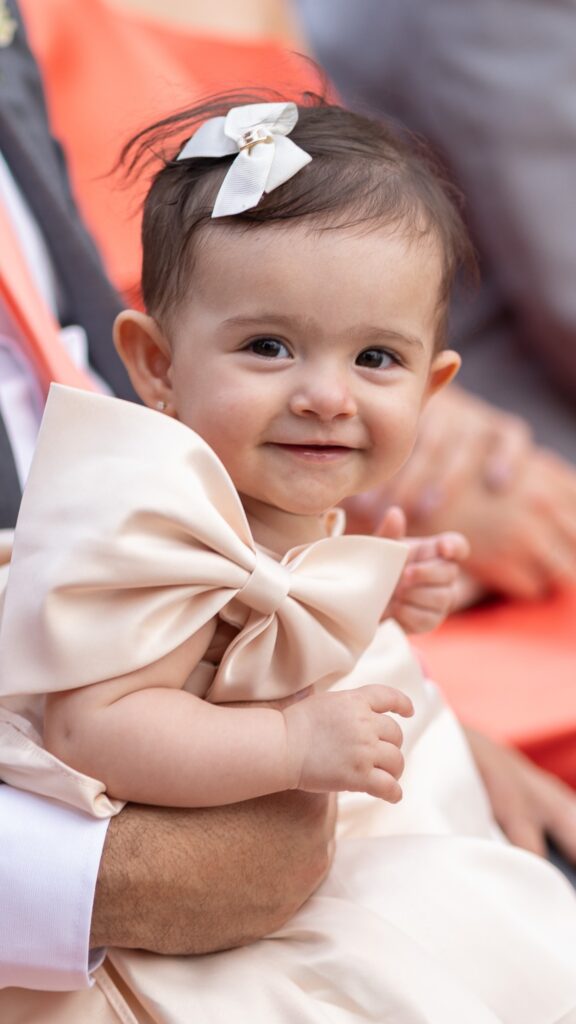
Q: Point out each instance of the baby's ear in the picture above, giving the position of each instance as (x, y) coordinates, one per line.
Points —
(146, 354)
(443, 369)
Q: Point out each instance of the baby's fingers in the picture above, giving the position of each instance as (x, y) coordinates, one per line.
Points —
(392, 525)
(424, 620)
(389, 731)
(390, 759)
(382, 785)
(436, 573)
(454, 546)
(385, 698)
(438, 598)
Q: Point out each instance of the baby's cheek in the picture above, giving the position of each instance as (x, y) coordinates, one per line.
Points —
(397, 436)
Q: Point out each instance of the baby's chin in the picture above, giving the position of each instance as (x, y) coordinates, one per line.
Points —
(308, 508)
(290, 516)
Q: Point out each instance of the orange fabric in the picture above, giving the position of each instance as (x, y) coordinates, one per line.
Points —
(108, 73)
(510, 668)
(31, 315)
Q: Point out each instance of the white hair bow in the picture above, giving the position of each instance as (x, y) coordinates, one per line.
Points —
(266, 157)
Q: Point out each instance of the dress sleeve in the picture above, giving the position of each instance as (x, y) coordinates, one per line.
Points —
(49, 859)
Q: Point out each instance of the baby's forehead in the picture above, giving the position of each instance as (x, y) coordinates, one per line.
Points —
(246, 245)
(313, 280)
(305, 267)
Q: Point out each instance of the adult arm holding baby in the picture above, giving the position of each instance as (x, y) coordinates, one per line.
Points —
(167, 882)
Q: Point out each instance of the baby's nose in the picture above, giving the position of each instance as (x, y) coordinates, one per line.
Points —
(325, 396)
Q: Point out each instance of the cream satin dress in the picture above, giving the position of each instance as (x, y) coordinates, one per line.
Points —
(428, 916)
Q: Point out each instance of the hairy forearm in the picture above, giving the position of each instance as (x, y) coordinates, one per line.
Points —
(190, 882)
(169, 748)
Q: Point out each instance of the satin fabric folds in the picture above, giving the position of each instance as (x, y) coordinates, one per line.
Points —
(131, 537)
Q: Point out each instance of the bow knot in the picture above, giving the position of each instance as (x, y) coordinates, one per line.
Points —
(265, 159)
(253, 136)
(267, 586)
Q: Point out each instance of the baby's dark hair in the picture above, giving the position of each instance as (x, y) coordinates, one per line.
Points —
(363, 174)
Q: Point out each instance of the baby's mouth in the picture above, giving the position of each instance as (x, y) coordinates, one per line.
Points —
(319, 447)
(312, 450)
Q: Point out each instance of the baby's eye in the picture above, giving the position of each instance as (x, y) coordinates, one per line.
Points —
(375, 358)
(268, 348)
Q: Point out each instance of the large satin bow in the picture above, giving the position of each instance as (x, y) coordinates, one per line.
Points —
(132, 537)
(266, 158)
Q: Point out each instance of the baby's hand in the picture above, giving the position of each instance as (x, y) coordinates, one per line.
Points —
(428, 587)
(343, 740)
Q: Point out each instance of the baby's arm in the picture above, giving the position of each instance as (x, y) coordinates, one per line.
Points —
(165, 746)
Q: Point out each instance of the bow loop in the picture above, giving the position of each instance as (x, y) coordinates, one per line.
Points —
(266, 158)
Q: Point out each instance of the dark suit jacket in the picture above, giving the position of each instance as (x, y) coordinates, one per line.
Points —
(37, 163)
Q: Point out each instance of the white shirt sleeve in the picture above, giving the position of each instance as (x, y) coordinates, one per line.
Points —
(49, 859)
(49, 853)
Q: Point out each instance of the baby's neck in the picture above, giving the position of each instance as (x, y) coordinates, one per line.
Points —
(277, 530)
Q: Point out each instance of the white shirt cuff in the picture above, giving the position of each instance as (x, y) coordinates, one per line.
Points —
(49, 860)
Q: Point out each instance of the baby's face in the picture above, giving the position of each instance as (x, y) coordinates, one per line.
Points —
(304, 358)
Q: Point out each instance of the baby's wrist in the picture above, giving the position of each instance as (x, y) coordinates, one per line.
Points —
(295, 744)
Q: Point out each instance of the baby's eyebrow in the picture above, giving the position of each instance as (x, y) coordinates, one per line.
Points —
(276, 318)
(379, 336)
(366, 334)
